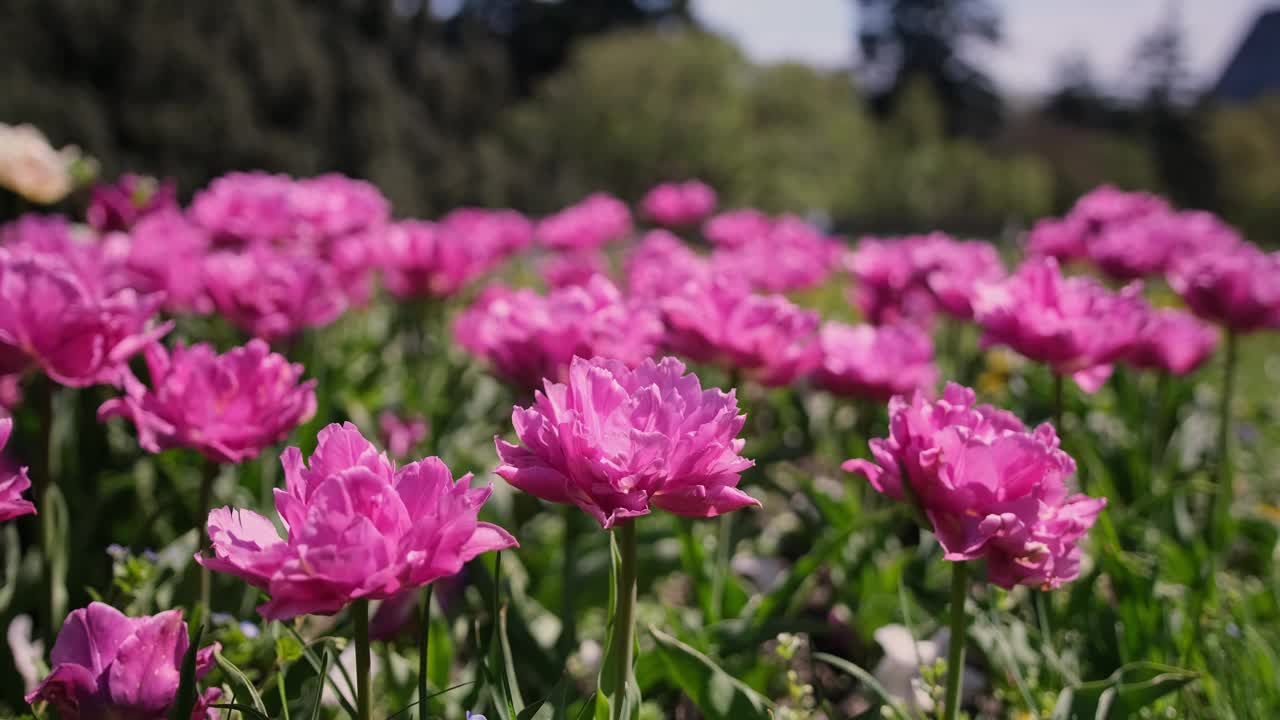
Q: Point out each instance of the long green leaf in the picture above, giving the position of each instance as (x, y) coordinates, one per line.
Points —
(717, 694)
(246, 710)
(184, 702)
(324, 673)
(314, 661)
(235, 673)
(867, 679)
(1128, 690)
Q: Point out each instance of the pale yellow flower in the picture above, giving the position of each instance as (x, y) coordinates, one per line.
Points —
(32, 168)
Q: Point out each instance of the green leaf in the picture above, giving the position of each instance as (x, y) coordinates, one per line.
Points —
(775, 603)
(1128, 690)
(314, 661)
(324, 673)
(184, 702)
(866, 678)
(235, 673)
(246, 710)
(717, 694)
(555, 706)
(288, 649)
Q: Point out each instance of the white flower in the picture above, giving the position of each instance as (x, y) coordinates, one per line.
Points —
(28, 655)
(31, 167)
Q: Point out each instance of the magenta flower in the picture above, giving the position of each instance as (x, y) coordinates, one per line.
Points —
(13, 482)
(912, 278)
(99, 262)
(227, 407)
(420, 260)
(1236, 286)
(735, 228)
(1093, 216)
(401, 434)
(768, 337)
(1074, 325)
(574, 267)
(333, 206)
(53, 316)
(1106, 205)
(107, 665)
(527, 337)
(1146, 245)
(679, 204)
(613, 440)
(119, 206)
(240, 208)
(791, 256)
(989, 487)
(589, 224)
(661, 264)
(357, 527)
(1172, 341)
(876, 362)
(1062, 239)
(497, 233)
(954, 276)
(272, 294)
(165, 253)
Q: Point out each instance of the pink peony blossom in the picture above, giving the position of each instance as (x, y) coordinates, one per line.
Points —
(401, 434)
(497, 234)
(13, 482)
(272, 294)
(735, 228)
(613, 440)
(768, 337)
(913, 277)
(165, 253)
(357, 527)
(420, 260)
(100, 263)
(679, 204)
(1236, 286)
(1106, 204)
(1074, 325)
(1148, 244)
(989, 487)
(1172, 341)
(240, 208)
(574, 267)
(119, 206)
(228, 407)
(1059, 238)
(791, 256)
(589, 224)
(59, 318)
(876, 362)
(1094, 216)
(527, 337)
(333, 206)
(662, 264)
(107, 665)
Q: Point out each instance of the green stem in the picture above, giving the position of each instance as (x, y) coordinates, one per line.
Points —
(424, 645)
(1057, 404)
(959, 633)
(568, 640)
(43, 489)
(207, 476)
(360, 615)
(724, 540)
(1159, 422)
(1221, 518)
(623, 639)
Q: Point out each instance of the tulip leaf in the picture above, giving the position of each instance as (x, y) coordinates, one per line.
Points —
(235, 673)
(246, 710)
(866, 678)
(716, 693)
(316, 702)
(184, 703)
(1129, 689)
(555, 706)
(315, 662)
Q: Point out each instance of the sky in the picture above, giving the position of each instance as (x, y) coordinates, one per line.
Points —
(1038, 34)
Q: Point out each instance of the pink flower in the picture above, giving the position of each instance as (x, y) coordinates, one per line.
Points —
(1147, 244)
(119, 206)
(332, 206)
(913, 277)
(770, 338)
(527, 337)
(497, 234)
(1063, 239)
(401, 434)
(1093, 216)
(1172, 341)
(357, 527)
(678, 204)
(1237, 286)
(613, 440)
(420, 260)
(165, 253)
(55, 316)
(989, 487)
(1074, 325)
(272, 294)
(107, 665)
(100, 264)
(228, 407)
(1106, 204)
(876, 362)
(791, 256)
(589, 224)
(574, 267)
(954, 277)
(735, 228)
(12, 482)
(240, 208)
(662, 264)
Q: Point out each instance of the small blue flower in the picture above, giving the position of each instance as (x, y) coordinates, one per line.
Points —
(117, 552)
(249, 630)
(474, 716)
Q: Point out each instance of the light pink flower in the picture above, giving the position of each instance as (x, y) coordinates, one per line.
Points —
(55, 316)
(574, 267)
(1172, 341)
(401, 434)
(679, 204)
(615, 440)
(735, 228)
(1237, 286)
(13, 482)
(527, 337)
(119, 206)
(768, 337)
(662, 264)
(357, 527)
(876, 362)
(228, 407)
(1074, 325)
(165, 253)
(272, 294)
(913, 277)
(792, 255)
(107, 665)
(989, 487)
(589, 224)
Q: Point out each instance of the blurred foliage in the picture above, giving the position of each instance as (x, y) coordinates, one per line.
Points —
(1246, 144)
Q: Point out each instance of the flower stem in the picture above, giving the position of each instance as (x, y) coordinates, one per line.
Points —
(624, 617)
(1057, 404)
(360, 615)
(1221, 518)
(207, 476)
(424, 646)
(723, 559)
(956, 642)
(568, 640)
